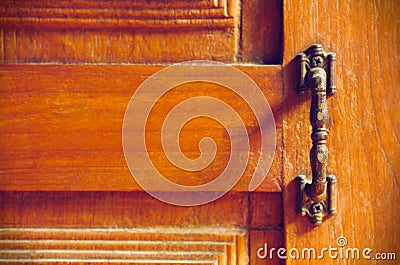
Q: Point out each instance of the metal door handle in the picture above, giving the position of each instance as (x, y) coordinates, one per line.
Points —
(317, 198)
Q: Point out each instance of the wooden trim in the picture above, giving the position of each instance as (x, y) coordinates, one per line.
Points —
(78, 226)
(364, 146)
(114, 4)
(145, 32)
(128, 245)
(119, 14)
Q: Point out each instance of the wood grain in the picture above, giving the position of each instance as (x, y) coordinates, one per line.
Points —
(363, 144)
(61, 127)
(134, 246)
(261, 32)
(364, 138)
(146, 32)
(130, 226)
(118, 14)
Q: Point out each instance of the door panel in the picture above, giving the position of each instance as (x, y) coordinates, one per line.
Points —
(363, 144)
(66, 189)
(60, 172)
(64, 175)
(133, 227)
(62, 127)
(145, 32)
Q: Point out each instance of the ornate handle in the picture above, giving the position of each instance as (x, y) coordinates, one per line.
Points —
(317, 198)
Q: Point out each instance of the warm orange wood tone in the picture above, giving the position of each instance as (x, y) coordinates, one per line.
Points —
(261, 33)
(61, 161)
(119, 225)
(256, 211)
(61, 130)
(146, 32)
(133, 246)
(364, 137)
(61, 127)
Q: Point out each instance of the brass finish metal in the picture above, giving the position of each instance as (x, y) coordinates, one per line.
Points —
(317, 198)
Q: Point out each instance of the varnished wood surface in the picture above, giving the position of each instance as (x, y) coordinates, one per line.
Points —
(61, 127)
(261, 32)
(85, 227)
(112, 209)
(133, 246)
(146, 32)
(364, 142)
(119, 14)
(364, 137)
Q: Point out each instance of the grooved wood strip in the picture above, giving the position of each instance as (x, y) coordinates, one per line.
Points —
(42, 13)
(136, 222)
(106, 14)
(119, 4)
(145, 32)
(115, 32)
(151, 23)
(145, 245)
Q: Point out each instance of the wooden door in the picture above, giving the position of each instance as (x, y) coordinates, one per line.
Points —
(363, 143)
(69, 70)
